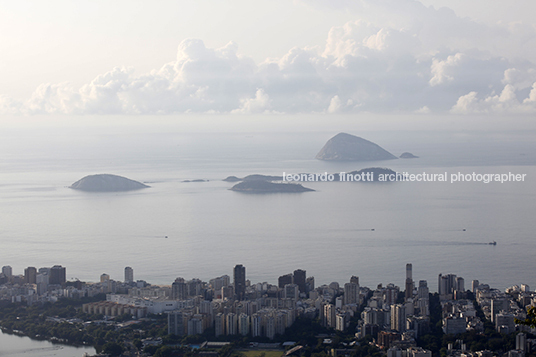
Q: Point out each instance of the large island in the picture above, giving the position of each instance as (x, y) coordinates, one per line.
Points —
(262, 186)
(346, 147)
(107, 183)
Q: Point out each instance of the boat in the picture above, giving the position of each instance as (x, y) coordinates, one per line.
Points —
(492, 243)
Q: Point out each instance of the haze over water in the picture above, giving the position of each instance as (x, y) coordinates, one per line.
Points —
(366, 229)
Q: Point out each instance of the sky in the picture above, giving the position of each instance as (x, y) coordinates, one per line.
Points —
(410, 57)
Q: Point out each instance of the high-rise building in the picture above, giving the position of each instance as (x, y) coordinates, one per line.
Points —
(474, 286)
(498, 305)
(7, 271)
(446, 285)
(256, 325)
(218, 283)
(299, 278)
(219, 324)
(231, 323)
(239, 279)
(179, 289)
(269, 327)
(422, 291)
(454, 325)
(330, 315)
(104, 277)
(284, 280)
(423, 298)
(226, 292)
(290, 291)
(57, 275)
(340, 321)
(409, 282)
(30, 275)
(521, 342)
(351, 293)
(129, 275)
(460, 284)
(195, 325)
(398, 317)
(309, 284)
(176, 323)
(195, 287)
(42, 281)
(505, 323)
(243, 324)
(390, 294)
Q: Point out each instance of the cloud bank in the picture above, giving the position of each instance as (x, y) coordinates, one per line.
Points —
(423, 62)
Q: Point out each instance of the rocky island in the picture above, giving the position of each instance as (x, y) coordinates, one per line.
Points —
(107, 183)
(253, 177)
(346, 147)
(374, 174)
(408, 155)
(263, 186)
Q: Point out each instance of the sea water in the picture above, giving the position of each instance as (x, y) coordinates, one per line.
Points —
(22, 346)
(202, 229)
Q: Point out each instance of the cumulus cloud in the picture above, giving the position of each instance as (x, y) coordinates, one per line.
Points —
(422, 60)
(423, 110)
(334, 105)
(507, 101)
(259, 104)
(9, 105)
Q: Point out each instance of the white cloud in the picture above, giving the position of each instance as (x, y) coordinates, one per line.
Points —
(505, 102)
(334, 105)
(399, 55)
(441, 69)
(520, 78)
(423, 110)
(466, 104)
(531, 99)
(53, 99)
(9, 105)
(259, 104)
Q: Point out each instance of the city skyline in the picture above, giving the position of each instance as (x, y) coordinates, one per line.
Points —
(447, 283)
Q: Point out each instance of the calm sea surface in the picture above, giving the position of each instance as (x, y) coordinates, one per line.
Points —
(366, 229)
(18, 346)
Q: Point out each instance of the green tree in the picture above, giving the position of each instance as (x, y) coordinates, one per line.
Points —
(531, 318)
(113, 348)
(164, 351)
(137, 343)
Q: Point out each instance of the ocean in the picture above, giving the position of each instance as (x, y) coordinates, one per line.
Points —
(22, 346)
(202, 229)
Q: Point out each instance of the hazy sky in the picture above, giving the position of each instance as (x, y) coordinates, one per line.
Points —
(268, 56)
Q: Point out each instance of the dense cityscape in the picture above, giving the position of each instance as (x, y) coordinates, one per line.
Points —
(226, 313)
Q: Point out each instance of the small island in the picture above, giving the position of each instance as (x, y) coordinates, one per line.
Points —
(346, 147)
(232, 179)
(106, 183)
(408, 155)
(374, 173)
(262, 186)
(254, 177)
